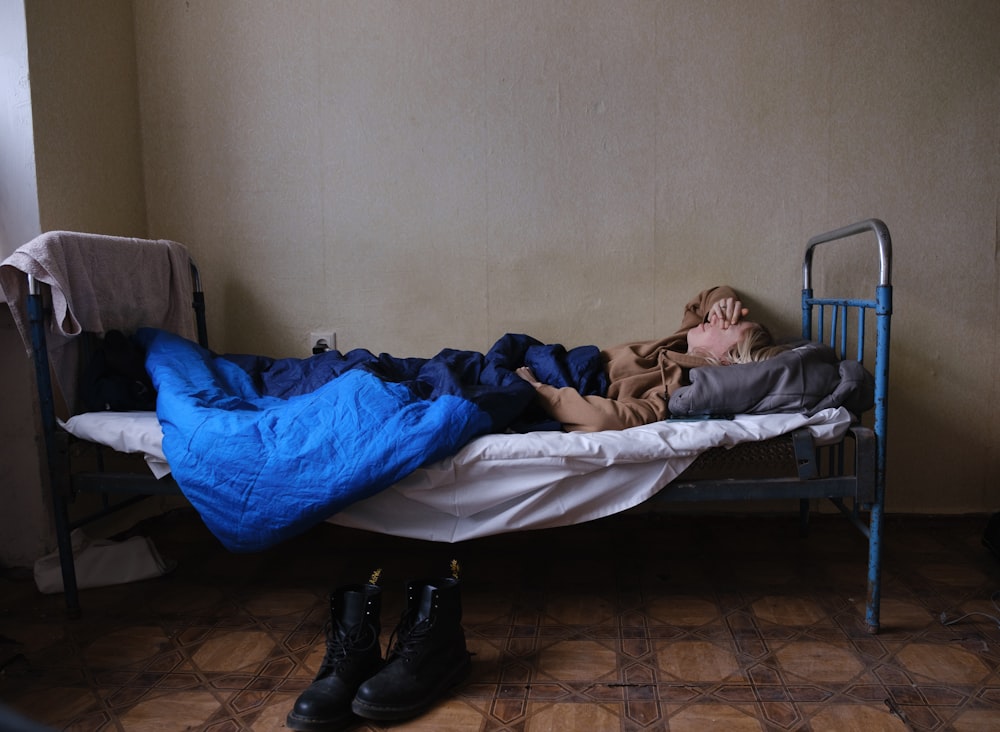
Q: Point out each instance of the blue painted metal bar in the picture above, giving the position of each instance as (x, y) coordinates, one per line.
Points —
(882, 307)
(850, 302)
(861, 335)
(852, 516)
(807, 308)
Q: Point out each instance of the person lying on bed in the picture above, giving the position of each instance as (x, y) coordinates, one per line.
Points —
(642, 375)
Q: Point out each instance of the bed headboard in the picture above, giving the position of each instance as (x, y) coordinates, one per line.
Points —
(845, 323)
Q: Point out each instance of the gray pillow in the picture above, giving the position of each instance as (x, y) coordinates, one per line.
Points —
(806, 378)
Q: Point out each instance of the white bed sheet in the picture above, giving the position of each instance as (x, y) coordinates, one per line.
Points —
(129, 432)
(502, 483)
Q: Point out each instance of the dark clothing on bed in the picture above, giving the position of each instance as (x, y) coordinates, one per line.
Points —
(487, 379)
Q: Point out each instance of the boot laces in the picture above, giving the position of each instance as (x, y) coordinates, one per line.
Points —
(342, 644)
(407, 640)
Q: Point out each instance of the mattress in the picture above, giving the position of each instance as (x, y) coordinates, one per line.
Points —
(500, 483)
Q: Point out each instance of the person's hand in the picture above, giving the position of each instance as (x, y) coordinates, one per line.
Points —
(528, 375)
(727, 312)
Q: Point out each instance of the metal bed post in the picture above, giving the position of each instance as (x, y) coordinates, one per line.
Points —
(882, 307)
(62, 484)
(883, 312)
(46, 399)
(198, 303)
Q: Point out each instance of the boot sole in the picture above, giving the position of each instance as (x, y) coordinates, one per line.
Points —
(304, 724)
(390, 713)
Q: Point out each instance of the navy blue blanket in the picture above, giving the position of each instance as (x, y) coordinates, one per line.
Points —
(265, 448)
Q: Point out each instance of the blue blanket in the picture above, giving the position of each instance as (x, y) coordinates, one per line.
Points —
(265, 448)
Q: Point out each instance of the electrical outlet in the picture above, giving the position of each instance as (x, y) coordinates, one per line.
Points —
(322, 340)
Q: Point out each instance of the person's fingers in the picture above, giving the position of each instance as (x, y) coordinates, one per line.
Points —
(528, 375)
(735, 309)
(726, 310)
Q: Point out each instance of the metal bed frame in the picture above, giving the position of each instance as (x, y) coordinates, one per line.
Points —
(850, 473)
(65, 483)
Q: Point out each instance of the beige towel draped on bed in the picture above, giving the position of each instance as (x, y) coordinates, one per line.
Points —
(99, 283)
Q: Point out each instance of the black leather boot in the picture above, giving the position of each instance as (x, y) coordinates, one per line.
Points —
(428, 658)
(352, 655)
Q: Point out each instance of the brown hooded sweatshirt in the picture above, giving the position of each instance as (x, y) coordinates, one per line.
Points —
(641, 377)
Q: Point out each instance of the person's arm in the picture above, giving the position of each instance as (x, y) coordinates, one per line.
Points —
(579, 413)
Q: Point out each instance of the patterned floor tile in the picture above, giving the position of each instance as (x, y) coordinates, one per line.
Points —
(632, 623)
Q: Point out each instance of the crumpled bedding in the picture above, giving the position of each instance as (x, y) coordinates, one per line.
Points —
(266, 448)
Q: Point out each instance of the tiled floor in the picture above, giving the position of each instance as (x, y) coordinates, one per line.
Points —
(663, 622)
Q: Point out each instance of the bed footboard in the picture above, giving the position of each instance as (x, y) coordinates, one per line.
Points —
(851, 473)
(831, 318)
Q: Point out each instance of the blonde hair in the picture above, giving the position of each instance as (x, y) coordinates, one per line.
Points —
(757, 344)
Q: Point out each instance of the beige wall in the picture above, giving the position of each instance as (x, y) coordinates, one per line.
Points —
(426, 173)
(86, 116)
(69, 159)
(429, 173)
